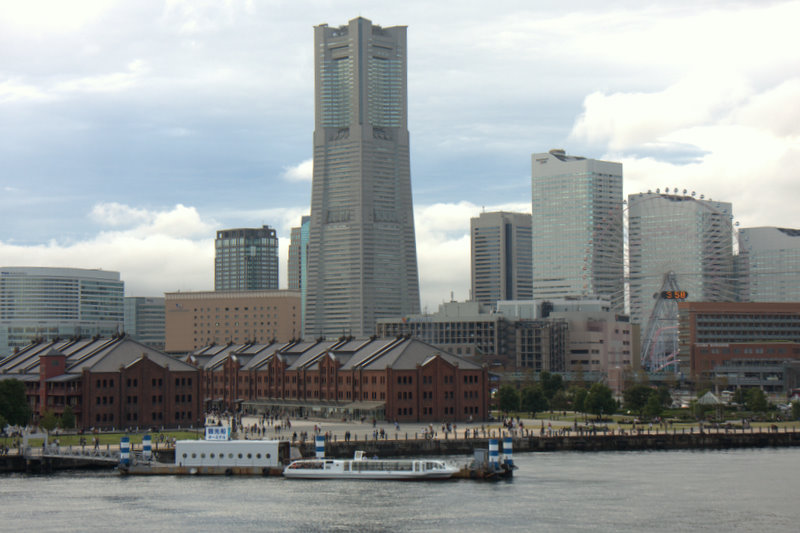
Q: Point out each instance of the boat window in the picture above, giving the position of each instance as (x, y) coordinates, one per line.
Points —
(211, 455)
(230, 456)
(249, 455)
(240, 456)
(194, 456)
(184, 455)
(258, 456)
(202, 456)
(267, 456)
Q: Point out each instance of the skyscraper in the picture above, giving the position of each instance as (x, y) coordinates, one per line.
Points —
(298, 263)
(680, 248)
(679, 234)
(362, 262)
(246, 259)
(769, 260)
(50, 303)
(577, 228)
(297, 254)
(144, 320)
(501, 257)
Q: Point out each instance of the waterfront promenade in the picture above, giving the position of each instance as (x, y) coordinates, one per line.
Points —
(386, 439)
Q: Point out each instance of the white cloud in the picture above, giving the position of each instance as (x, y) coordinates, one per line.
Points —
(162, 251)
(721, 136)
(301, 172)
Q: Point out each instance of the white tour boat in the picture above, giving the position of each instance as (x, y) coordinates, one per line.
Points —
(362, 468)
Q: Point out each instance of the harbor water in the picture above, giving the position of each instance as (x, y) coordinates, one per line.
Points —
(738, 490)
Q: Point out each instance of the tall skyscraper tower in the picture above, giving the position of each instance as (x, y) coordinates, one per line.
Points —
(682, 235)
(246, 259)
(769, 260)
(501, 257)
(577, 228)
(362, 259)
(680, 248)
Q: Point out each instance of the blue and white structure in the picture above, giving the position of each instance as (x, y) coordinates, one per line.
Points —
(508, 454)
(494, 455)
(319, 442)
(125, 451)
(147, 448)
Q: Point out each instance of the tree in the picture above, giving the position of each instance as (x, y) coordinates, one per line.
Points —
(13, 404)
(664, 396)
(600, 400)
(508, 398)
(551, 383)
(48, 421)
(653, 407)
(636, 397)
(579, 399)
(68, 418)
(756, 400)
(533, 400)
(796, 410)
(559, 401)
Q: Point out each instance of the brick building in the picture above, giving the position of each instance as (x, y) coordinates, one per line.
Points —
(108, 382)
(399, 379)
(714, 334)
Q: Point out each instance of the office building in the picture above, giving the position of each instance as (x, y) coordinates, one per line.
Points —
(577, 228)
(769, 264)
(195, 319)
(501, 257)
(246, 259)
(678, 245)
(715, 337)
(362, 261)
(50, 303)
(144, 320)
(298, 263)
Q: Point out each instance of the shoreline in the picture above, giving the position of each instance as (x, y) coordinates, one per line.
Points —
(715, 439)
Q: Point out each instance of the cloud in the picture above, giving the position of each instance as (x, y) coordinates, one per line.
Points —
(301, 172)
(161, 250)
(723, 137)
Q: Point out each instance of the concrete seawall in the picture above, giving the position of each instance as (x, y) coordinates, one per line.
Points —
(423, 447)
(583, 443)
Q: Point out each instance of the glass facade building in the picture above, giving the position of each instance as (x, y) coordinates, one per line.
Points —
(362, 261)
(246, 259)
(145, 320)
(691, 238)
(501, 257)
(769, 264)
(577, 231)
(48, 303)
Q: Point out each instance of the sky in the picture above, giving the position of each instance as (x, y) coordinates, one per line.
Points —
(131, 130)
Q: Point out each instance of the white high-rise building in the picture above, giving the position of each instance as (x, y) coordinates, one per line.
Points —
(501, 257)
(48, 303)
(577, 228)
(680, 235)
(362, 259)
(769, 260)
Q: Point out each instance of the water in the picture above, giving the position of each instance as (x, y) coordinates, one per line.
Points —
(742, 490)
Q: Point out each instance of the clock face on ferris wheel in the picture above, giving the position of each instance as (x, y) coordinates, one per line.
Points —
(674, 295)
